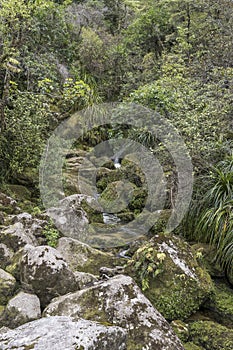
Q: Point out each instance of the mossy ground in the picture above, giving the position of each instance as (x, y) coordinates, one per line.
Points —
(211, 335)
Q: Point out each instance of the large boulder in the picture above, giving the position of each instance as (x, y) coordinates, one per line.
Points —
(6, 255)
(70, 218)
(62, 333)
(119, 302)
(211, 335)
(7, 286)
(44, 270)
(170, 276)
(16, 236)
(82, 257)
(24, 307)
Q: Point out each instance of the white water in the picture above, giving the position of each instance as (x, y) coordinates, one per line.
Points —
(117, 164)
(110, 219)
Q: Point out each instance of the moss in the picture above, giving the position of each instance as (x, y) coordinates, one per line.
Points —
(93, 215)
(181, 330)
(174, 293)
(211, 335)
(220, 304)
(19, 191)
(192, 346)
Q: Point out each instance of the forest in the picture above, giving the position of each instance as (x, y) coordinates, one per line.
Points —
(173, 58)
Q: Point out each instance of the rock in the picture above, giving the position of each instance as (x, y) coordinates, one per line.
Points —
(8, 204)
(32, 225)
(181, 330)
(119, 302)
(16, 236)
(106, 272)
(70, 218)
(85, 279)
(220, 304)
(170, 276)
(119, 195)
(211, 335)
(6, 255)
(55, 333)
(7, 286)
(44, 270)
(24, 307)
(105, 176)
(81, 257)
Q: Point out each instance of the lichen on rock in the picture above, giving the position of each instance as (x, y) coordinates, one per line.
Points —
(119, 302)
(170, 276)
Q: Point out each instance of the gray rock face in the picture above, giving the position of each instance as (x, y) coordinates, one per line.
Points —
(61, 333)
(16, 236)
(70, 218)
(7, 286)
(85, 279)
(82, 257)
(119, 302)
(45, 271)
(24, 307)
(5, 255)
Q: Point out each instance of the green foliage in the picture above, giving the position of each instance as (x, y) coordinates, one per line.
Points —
(148, 262)
(212, 218)
(26, 126)
(51, 234)
(200, 112)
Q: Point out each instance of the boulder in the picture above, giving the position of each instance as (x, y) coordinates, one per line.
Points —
(33, 225)
(119, 302)
(211, 335)
(55, 333)
(8, 204)
(70, 218)
(16, 236)
(82, 257)
(6, 255)
(24, 307)
(85, 279)
(220, 304)
(170, 276)
(7, 286)
(45, 272)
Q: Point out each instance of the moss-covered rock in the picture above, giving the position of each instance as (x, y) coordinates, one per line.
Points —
(8, 205)
(119, 302)
(120, 195)
(181, 330)
(211, 335)
(220, 304)
(170, 276)
(192, 346)
(106, 176)
(82, 257)
(7, 286)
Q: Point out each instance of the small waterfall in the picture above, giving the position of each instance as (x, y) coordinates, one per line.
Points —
(110, 219)
(117, 163)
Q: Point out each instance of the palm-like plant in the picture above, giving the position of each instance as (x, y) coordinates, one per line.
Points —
(215, 214)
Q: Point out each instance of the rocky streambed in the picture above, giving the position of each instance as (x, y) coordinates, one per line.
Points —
(59, 291)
